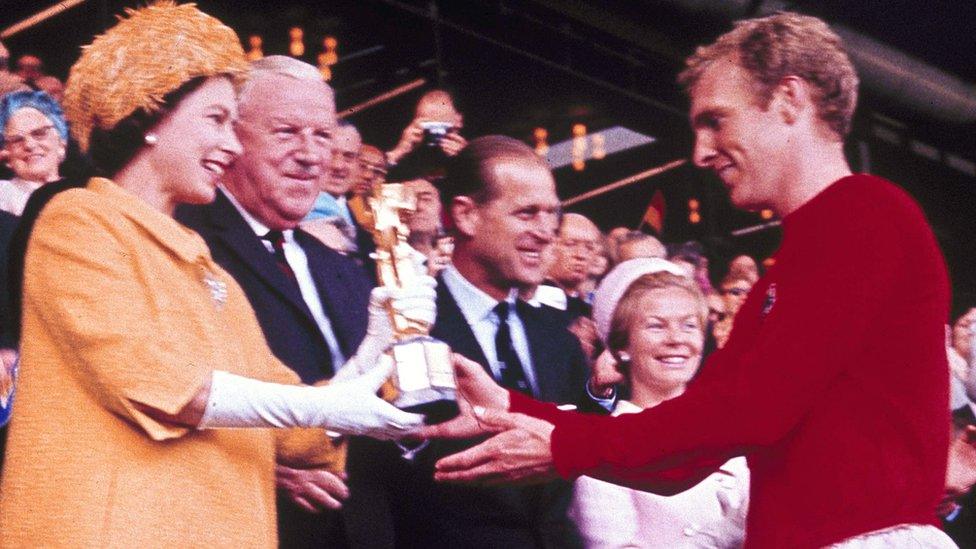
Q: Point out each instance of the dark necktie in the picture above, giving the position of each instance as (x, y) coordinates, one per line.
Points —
(513, 376)
(277, 240)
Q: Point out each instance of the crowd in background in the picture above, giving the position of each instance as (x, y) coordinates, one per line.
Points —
(575, 257)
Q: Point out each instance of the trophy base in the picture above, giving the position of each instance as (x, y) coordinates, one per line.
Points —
(437, 411)
(424, 378)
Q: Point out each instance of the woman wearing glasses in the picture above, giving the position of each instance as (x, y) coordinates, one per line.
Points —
(34, 140)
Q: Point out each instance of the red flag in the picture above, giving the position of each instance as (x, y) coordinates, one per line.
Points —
(654, 216)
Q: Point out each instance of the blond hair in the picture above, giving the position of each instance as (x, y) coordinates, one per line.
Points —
(786, 44)
(629, 307)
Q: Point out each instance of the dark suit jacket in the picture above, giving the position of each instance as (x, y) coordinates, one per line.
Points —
(284, 317)
(396, 503)
(287, 323)
(8, 224)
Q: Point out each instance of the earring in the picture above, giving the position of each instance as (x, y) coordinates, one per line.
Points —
(151, 139)
(623, 356)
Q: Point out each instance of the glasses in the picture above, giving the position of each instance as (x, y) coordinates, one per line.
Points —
(17, 140)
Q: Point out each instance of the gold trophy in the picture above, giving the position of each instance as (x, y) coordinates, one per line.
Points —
(422, 375)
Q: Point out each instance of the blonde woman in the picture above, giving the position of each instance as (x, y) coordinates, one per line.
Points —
(652, 318)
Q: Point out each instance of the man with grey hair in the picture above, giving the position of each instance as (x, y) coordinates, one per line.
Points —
(311, 302)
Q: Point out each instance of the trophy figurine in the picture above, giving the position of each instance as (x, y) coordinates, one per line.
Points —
(422, 374)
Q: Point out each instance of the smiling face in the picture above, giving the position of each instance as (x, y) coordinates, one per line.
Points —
(342, 171)
(962, 333)
(503, 240)
(195, 144)
(286, 128)
(745, 145)
(665, 344)
(34, 148)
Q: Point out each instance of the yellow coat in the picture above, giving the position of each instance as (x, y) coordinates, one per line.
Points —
(124, 309)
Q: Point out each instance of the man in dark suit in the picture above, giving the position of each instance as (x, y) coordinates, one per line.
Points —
(504, 211)
(311, 301)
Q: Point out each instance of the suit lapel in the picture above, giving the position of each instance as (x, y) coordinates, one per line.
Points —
(452, 328)
(240, 240)
(543, 348)
(339, 305)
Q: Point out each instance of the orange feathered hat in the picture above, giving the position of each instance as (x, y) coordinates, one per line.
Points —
(152, 52)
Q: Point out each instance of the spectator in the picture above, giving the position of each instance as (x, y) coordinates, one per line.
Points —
(639, 244)
(427, 217)
(692, 254)
(958, 507)
(9, 82)
(744, 266)
(652, 319)
(962, 334)
(372, 173)
(316, 316)
(34, 141)
(331, 206)
(51, 86)
(30, 68)
(429, 140)
(576, 246)
(598, 268)
(142, 362)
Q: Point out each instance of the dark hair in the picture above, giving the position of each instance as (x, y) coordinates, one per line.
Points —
(110, 150)
(691, 251)
(469, 172)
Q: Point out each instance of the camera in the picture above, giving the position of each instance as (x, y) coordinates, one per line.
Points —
(435, 131)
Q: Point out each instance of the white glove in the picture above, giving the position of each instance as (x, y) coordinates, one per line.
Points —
(415, 301)
(350, 407)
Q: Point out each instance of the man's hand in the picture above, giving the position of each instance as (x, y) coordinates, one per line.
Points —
(476, 392)
(961, 474)
(411, 136)
(585, 331)
(452, 143)
(312, 489)
(605, 375)
(519, 454)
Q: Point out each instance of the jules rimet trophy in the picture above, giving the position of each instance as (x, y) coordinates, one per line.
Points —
(422, 375)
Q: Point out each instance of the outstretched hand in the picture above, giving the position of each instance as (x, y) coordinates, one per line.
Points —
(519, 454)
(476, 392)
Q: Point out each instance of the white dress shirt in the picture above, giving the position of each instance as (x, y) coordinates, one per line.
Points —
(477, 307)
(298, 262)
(14, 194)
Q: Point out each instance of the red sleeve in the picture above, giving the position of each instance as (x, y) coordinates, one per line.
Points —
(666, 482)
(824, 306)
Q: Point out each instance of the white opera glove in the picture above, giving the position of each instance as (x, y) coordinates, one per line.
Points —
(350, 407)
(416, 301)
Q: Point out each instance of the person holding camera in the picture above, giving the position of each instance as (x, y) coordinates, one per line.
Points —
(430, 139)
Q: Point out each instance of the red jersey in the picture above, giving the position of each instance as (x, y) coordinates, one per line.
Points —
(834, 383)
